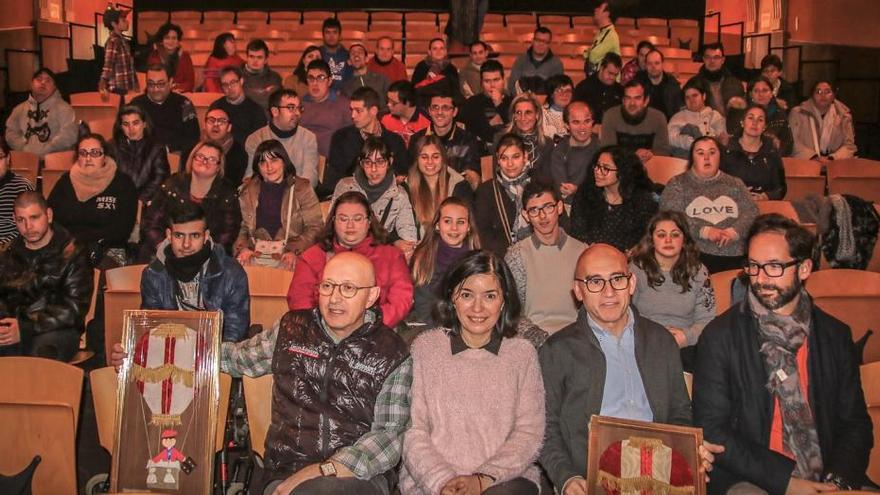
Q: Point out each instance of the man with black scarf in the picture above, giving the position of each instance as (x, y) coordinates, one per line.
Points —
(721, 84)
(190, 273)
(777, 380)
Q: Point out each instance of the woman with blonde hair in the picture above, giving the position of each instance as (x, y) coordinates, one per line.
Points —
(527, 122)
(431, 180)
(452, 234)
(201, 182)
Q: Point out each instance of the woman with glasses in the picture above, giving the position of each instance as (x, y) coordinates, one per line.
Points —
(776, 129)
(673, 287)
(477, 417)
(615, 202)
(11, 185)
(138, 154)
(389, 201)
(527, 122)
(281, 216)
(559, 92)
(822, 126)
(168, 52)
(96, 203)
(201, 182)
(222, 56)
(352, 226)
(431, 180)
(297, 81)
(719, 208)
(452, 234)
(754, 159)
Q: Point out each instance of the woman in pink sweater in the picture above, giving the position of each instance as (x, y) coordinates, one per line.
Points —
(477, 394)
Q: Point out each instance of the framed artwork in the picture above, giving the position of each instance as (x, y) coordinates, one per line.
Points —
(166, 402)
(636, 457)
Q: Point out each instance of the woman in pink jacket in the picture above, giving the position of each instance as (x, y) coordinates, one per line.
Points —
(477, 397)
(351, 226)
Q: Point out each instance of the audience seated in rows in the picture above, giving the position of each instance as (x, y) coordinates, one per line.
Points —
(721, 84)
(663, 91)
(719, 207)
(695, 120)
(192, 273)
(245, 115)
(11, 185)
(44, 123)
(285, 110)
(352, 227)
(260, 81)
(223, 55)
(531, 69)
(572, 156)
(635, 125)
(168, 53)
(760, 92)
(138, 154)
(45, 285)
(754, 158)
(542, 263)
(616, 201)
(173, 115)
(281, 217)
(219, 129)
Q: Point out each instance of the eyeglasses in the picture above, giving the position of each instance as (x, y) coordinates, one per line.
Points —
(441, 108)
(227, 85)
(773, 269)
(94, 153)
(597, 284)
(377, 163)
(346, 289)
(605, 169)
(547, 209)
(824, 92)
(346, 218)
(290, 108)
(524, 113)
(321, 78)
(216, 121)
(157, 85)
(210, 160)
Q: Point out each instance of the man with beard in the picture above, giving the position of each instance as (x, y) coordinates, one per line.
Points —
(635, 125)
(721, 84)
(542, 263)
(664, 91)
(601, 90)
(777, 382)
(191, 273)
(219, 128)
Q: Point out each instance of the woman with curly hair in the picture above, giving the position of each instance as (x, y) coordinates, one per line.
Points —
(673, 286)
(168, 52)
(616, 201)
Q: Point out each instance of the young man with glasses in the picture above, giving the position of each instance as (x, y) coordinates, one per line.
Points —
(542, 263)
(777, 379)
(335, 361)
(220, 129)
(462, 148)
(610, 361)
(245, 114)
(535, 66)
(299, 142)
(173, 115)
(325, 110)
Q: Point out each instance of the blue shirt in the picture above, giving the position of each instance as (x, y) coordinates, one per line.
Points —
(624, 394)
(340, 69)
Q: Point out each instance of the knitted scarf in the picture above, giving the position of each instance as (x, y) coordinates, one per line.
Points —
(514, 190)
(436, 66)
(88, 182)
(186, 268)
(373, 193)
(780, 338)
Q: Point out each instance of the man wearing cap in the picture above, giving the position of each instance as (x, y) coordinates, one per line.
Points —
(168, 452)
(44, 123)
(118, 75)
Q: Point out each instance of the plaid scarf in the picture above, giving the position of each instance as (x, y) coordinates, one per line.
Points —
(781, 337)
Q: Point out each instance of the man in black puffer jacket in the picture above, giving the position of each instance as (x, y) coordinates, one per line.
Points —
(45, 286)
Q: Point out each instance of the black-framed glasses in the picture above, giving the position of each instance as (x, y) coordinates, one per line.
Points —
(290, 108)
(597, 284)
(441, 108)
(773, 269)
(229, 84)
(377, 163)
(94, 153)
(346, 289)
(215, 120)
(605, 169)
(210, 160)
(548, 209)
(321, 78)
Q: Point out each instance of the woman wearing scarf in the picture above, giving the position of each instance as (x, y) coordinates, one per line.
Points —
(168, 52)
(201, 183)
(436, 74)
(389, 201)
(823, 127)
(138, 155)
(527, 122)
(281, 216)
(96, 203)
(498, 202)
(760, 92)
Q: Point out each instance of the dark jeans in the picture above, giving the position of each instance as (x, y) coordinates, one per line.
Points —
(60, 345)
(337, 486)
(516, 486)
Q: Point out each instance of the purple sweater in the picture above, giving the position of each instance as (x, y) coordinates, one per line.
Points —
(325, 118)
(472, 412)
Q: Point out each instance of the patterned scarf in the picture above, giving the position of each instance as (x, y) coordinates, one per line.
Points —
(514, 190)
(781, 337)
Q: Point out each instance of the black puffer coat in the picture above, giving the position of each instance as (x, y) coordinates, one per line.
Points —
(145, 162)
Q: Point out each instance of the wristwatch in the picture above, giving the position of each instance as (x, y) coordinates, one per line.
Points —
(328, 469)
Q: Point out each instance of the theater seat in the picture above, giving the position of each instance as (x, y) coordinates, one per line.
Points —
(258, 397)
(851, 296)
(662, 168)
(722, 282)
(871, 387)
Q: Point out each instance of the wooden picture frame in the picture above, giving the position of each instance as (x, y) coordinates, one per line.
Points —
(166, 403)
(626, 456)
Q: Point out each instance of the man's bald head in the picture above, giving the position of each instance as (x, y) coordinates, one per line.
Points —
(605, 286)
(355, 264)
(347, 288)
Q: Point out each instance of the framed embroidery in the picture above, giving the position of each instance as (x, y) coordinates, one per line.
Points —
(636, 458)
(166, 402)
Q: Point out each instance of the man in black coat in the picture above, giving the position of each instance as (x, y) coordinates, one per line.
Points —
(345, 145)
(601, 90)
(45, 286)
(777, 382)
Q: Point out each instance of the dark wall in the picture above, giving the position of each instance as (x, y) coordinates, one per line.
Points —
(681, 9)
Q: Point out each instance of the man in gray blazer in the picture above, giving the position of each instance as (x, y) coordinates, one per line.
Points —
(610, 361)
